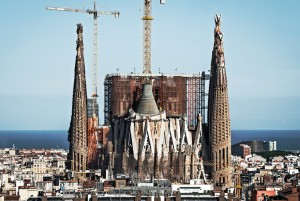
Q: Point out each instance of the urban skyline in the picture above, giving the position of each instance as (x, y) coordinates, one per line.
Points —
(260, 40)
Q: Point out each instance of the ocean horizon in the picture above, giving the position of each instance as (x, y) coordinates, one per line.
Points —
(58, 139)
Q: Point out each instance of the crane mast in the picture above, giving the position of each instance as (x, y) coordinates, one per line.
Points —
(147, 35)
(95, 61)
(147, 18)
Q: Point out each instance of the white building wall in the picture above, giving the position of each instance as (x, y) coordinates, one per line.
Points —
(272, 146)
(4, 178)
(26, 193)
(18, 184)
(188, 188)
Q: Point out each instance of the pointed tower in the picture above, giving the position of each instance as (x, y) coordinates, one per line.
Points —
(78, 126)
(218, 114)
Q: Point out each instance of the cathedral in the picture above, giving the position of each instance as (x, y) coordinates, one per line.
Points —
(153, 138)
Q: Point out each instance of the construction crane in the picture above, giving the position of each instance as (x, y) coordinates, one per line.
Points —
(95, 14)
(147, 18)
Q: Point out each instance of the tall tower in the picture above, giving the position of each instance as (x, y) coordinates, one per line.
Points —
(78, 126)
(218, 113)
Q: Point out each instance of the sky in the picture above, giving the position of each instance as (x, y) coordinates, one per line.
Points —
(38, 49)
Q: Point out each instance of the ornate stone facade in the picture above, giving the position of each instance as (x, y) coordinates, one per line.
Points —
(218, 114)
(155, 146)
(78, 127)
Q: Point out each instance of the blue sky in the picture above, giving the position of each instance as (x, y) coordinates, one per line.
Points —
(261, 42)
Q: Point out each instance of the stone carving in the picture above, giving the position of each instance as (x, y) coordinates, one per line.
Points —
(219, 42)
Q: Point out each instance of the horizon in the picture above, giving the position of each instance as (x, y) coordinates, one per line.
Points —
(58, 138)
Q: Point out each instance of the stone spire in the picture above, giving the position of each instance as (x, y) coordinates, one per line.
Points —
(78, 126)
(218, 113)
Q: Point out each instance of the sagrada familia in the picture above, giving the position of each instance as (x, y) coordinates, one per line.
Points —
(152, 142)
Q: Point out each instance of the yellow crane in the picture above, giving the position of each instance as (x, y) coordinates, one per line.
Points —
(147, 18)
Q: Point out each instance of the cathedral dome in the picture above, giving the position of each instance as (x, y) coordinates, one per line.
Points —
(147, 103)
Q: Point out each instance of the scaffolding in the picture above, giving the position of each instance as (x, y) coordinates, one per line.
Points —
(107, 99)
(177, 94)
(193, 100)
(204, 95)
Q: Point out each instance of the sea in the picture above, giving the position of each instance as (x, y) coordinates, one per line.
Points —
(58, 139)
